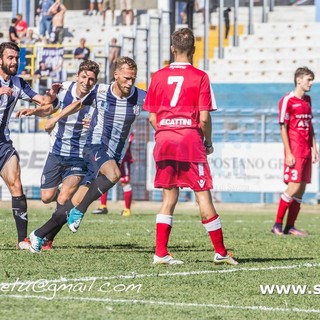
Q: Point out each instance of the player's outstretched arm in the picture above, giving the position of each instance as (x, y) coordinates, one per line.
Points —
(70, 109)
(43, 111)
(50, 97)
(47, 103)
(52, 93)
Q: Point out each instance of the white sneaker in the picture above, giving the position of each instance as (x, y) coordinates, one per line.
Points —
(24, 245)
(228, 259)
(36, 243)
(168, 259)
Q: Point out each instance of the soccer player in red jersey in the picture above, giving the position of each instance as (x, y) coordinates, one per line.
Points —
(179, 101)
(300, 150)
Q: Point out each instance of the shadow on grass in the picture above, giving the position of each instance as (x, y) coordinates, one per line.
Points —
(274, 259)
(130, 247)
(255, 260)
(133, 247)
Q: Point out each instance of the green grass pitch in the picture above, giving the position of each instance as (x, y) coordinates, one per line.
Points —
(105, 270)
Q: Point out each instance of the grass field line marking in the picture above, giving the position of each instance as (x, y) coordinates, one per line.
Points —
(167, 303)
(134, 275)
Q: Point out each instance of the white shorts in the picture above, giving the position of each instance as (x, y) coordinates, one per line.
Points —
(126, 5)
(93, 1)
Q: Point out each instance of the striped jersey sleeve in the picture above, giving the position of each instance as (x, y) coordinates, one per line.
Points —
(21, 90)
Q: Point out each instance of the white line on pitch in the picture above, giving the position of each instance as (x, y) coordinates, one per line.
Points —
(167, 274)
(167, 303)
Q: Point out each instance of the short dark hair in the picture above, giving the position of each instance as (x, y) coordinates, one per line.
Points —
(183, 41)
(89, 65)
(8, 45)
(302, 71)
(126, 60)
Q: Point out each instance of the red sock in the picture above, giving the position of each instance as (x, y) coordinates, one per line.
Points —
(293, 211)
(103, 199)
(127, 195)
(163, 229)
(213, 226)
(284, 204)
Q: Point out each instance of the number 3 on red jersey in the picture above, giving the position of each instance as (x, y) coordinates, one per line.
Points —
(293, 172)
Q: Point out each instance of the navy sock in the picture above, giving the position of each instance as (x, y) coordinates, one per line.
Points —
(58, 219)
(19, 210)
(51, 235)
(97, 188)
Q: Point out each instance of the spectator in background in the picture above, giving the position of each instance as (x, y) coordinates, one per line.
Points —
(42, 74)
(113, 56)
(126, 9)
(199, 6)
(25, 74)
(91, 7)
(13, 35)
(184, 9)
(30, 38)
(226, 21)
(82, 52)
(21, 26)
(108, 5)
(29, 41)
(57, 10)
(45, 19)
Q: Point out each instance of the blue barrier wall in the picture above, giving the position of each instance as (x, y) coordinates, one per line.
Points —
(257, 95)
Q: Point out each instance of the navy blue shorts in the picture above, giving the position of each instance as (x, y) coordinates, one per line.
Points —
(95, 156)
(57, 168)
(6, 152)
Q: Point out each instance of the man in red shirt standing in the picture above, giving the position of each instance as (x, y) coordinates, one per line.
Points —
(300, 150)
(179, 101)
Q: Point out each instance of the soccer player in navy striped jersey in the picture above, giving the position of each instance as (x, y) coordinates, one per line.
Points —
(117, 106)
(65, 164)
(13, 88)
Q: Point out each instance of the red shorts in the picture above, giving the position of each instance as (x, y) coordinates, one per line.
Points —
(125, 171)
(171, 173)
(301, 172)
